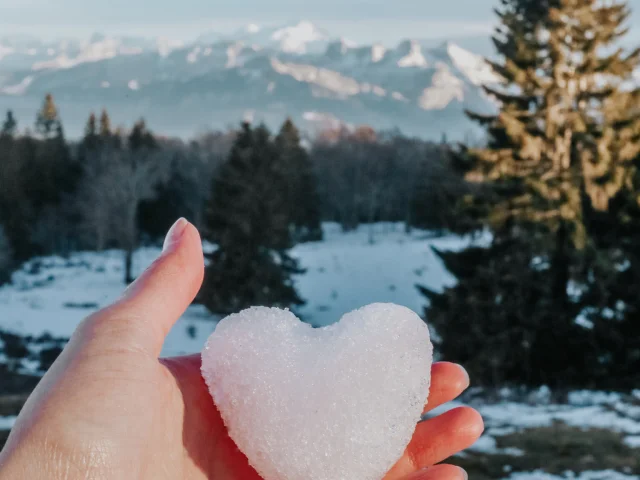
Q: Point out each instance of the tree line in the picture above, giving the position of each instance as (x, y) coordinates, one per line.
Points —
(249, 191)
(551, 300)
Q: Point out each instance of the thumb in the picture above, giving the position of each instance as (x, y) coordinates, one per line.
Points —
(151, 305)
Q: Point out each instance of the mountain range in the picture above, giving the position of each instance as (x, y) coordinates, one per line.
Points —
(257, 73)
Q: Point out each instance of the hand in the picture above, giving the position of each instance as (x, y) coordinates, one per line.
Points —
(109, 409)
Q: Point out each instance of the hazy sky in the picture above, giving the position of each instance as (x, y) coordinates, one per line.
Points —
(359, 20)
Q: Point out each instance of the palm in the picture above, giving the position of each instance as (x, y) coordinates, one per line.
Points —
(209, 452)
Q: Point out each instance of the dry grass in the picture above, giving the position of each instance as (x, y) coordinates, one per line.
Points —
(555, 450)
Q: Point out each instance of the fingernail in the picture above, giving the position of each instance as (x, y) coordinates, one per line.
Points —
(466, 374)
(464, 474)
(174, 234)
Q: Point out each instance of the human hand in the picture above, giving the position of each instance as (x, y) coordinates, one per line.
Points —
(110, 409)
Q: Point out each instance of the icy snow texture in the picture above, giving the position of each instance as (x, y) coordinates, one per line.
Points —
(335, 403)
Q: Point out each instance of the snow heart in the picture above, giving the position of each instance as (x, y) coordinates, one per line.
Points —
(340, 402)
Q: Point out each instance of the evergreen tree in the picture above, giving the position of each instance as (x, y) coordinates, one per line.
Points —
(300, 184)
(500, 322)
(91, 128)
(6, 259)
(560, 149)
(248, 220)
(47, 118)
(90, 140)
(105, 124)
(10, 125)
(140, 137)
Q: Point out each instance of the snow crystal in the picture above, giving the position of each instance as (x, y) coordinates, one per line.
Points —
(307, 403)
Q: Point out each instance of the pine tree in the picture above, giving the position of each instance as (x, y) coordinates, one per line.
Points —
(562, 132)
(300, 184)
(47, 118)
(561, 148)
(248, 220)
(10, 125)
(90, 129)
(6, 259)
(500, 324)
(90, 140)
(105, 124)
(140, 137)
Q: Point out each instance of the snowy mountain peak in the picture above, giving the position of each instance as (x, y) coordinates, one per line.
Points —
(473, 66)
(378, 52)
(166, 45)
(297, 69)
(339, 48)
(411, 55)
(298, 37)
(97, 37)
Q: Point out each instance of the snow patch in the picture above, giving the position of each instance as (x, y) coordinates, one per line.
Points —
(632, 441)
(377, 53)
(20, 88)
(5, 51)
(588, 475)
(192, 56)
(414, 56)
(295, 39)
(344, 272)
(165, 46)
(474, 67)
(445, 88)
(6, 423)
(329, 80)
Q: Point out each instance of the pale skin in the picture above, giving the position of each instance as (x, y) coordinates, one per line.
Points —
(109, 408)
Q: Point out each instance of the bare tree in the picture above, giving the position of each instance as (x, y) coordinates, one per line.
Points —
(115, 183)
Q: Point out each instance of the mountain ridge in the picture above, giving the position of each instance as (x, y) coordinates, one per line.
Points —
(296, 70)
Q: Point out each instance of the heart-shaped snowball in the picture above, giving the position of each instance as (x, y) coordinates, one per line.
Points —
(336, 403)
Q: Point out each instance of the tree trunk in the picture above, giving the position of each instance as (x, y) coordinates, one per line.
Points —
(128, 266)
(130, 244)
(560, 266)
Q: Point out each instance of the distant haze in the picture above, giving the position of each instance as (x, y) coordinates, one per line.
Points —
(358, 20)
(363, 21)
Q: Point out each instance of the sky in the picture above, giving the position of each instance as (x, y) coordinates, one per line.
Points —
(358, 20)
(363, 21)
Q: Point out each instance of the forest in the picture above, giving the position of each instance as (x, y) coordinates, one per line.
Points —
(552, 300)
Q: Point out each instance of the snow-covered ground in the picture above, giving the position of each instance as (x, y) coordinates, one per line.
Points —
(344, 272)
(586, 411)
